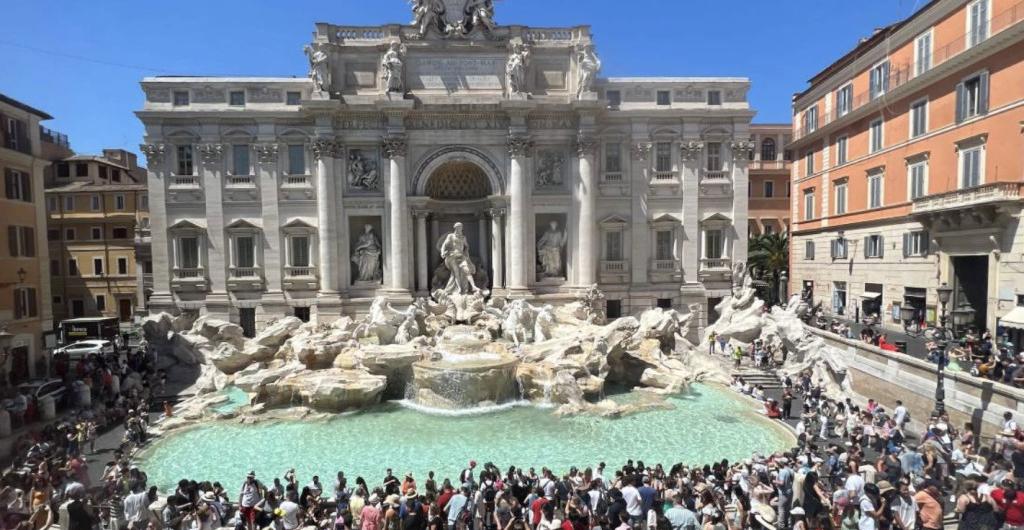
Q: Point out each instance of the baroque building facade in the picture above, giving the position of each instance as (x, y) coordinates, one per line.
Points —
(310, 196)
(907, 171)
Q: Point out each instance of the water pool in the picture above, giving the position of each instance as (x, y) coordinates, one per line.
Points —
(708, 424)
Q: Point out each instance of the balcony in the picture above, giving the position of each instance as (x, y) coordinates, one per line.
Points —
(665, 270)
(769, 165)
(297, 188)
(185, 182)
(245, 279)
(53, 137)
(244, 182)
(188, 279)
(984, 195)
(300, 278)
(715, 183)
(715, 269)
(613, 178)
(614, 271)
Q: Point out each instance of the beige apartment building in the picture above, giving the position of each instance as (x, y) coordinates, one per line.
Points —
(26, 149)
(769, 169)
(98, 233)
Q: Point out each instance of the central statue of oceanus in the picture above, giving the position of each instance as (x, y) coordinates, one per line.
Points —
(454, 251)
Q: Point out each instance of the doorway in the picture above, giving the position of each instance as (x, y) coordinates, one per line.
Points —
(19, 365)
(124, 309)
(970, 284)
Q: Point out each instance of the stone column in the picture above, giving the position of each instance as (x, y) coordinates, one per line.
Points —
(690, 155)
(395, 150)
(586, 194)
(497, 248)
(324, 150)
(519, 211)
(161, 299)
(481, 230)
(211, 172)
(274, 251)
(422, 274)
(640, 244)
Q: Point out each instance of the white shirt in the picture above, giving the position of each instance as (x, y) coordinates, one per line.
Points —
(866, 522)
(633, 502)
(900, 414)
(290, 519)
(855, 485)
(905, 510)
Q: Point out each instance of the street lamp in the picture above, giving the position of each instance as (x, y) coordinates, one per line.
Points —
(945, 293)
(939, 352)
(907, 314)
(962, 316)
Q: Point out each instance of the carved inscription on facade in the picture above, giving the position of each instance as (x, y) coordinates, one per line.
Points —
(456, 73)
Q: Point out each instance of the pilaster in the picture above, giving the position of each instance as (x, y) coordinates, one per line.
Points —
(161, 299)
(640, 240)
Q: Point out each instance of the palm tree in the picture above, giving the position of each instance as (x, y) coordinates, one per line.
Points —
(768, 257)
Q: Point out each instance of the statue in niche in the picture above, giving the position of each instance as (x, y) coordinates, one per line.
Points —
(549, 171)
(362, 172)
(366, 257)
(515, 69)
(319, 69)
(391, 68)
(549, 251)
(589, 66)
(427, 14)
(455, 254)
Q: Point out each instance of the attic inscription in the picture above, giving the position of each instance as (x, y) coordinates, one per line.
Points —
(456, 73)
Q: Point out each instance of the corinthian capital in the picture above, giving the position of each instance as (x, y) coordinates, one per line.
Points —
(266, 153)
(154, 153)
(586, 145)
(640, 151)
(395, 146)
(211, 152)
(519, 145)
(325, 148)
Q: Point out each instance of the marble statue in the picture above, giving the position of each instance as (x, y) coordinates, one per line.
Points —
(589, 66)
(549, 251)
(391, 68)
(515, 69)
(549, 170)
(362, 172)
(517, 322)
(319, 69)
(479, 14)
(366, 257)
(544, 323)
(455, 254)
(427, 14)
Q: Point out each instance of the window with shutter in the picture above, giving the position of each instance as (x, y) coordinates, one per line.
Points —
(33, 305)
(26, 187)
(28, 241)
(19, 310)
(12, 241)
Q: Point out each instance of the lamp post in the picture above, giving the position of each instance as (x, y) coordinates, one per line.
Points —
(907, 314)
(944, 292)
(5, 351)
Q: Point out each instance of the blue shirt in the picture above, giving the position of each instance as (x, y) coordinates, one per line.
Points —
(647, 497)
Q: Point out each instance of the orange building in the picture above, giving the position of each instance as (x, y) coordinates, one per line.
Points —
(907, 169)
(769, 179)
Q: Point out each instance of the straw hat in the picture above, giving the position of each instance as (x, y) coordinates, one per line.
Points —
(796, 511)
(411, 494)
(765, 515)
(884, 486)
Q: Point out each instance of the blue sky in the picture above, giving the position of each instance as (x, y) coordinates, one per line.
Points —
(81, 60)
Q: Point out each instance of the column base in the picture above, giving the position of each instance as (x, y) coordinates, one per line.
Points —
(519, 292)
(398, 296)
(161, 303)
(328, 306)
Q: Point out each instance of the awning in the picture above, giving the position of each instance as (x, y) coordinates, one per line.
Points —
(1014, 319)
(870, 296)
(914, 295)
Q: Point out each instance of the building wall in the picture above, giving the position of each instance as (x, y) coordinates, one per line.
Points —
(769, 213)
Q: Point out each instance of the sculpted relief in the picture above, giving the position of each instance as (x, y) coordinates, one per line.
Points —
(436, 15)
(550, 169)
(363, 173)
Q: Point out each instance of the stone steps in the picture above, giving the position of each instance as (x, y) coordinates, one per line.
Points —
(757, 376)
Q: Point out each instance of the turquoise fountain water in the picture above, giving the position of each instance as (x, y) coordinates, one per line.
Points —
(708, 424)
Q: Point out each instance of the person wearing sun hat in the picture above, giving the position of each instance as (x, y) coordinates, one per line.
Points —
(764, 515)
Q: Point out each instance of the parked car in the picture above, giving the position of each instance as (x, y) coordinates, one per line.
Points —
(85, 348)
(44, 387)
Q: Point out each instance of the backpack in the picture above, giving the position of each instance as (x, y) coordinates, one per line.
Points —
(489, 494)
(602, 504)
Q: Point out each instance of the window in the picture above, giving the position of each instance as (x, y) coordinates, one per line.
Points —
(875, 132)
(613, 158)
(184, 160)
(63, 170)
(296, 159)
(663, 157)
(77, 308)
(57, 300)
(844, 100)
(103, 172)
(302, 313)
(664, 97)
(119, 233)
(53, 234)
(841, 146)
(147, 267)
(122, 266)
(972, 97)
(977, 22)
(918, 118)
(299, 251)
(768, 150)
(808, 204)
(119, 202)
(115, 175)
(237, 98)
(247, 319)
(613, 246)
(972, 166)
(97, 266)
(180, 98)
(879, 82)
(810, 120)
(293, 98)
(25, 304)
(809, 163)
(73, 267)
(839, 248)
(917, 173)
(923, 53)
(101, 302)
(17, 185)
(915, 244)
(714, 244)
(21, 242)
(714, 97)
(840, 197)
(81, 169)
(188, 252)
(613, 308)
(663, 245)
(240, 159)
(714, 157)
(96, 233)
(873, 246)
(769, 189)
(144, 201)
(69, 203)
(809, 250)
(875, 190)
(69, 234)
(614, 98)
(94, 203)
(664, 303)
(245, 251)
(52, 204)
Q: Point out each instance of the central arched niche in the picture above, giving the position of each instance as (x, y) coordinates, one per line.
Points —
(458, 180)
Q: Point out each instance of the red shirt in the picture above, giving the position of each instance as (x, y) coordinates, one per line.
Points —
(444, 497)
(536, 508)
(1014, 510)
